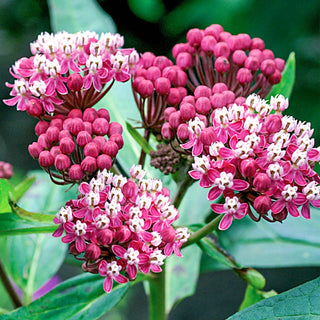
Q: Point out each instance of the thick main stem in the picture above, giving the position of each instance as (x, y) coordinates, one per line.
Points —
(157, 306)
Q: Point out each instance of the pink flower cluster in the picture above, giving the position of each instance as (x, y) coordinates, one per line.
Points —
(6, 171)
(119, 226)
(255, 157)
(68, 71)
(73, 148)
(157, 84)
(243, 63)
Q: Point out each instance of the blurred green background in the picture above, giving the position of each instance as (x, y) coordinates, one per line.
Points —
(156, 25)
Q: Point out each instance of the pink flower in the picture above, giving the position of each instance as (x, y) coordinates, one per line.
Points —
(111, 271)
(232, 208)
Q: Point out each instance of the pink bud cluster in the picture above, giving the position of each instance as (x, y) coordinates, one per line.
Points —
(119, 226)
(69, 71)
(213, 55)
(6, 171)
(73, 148)
(157, 84)
(256, 158)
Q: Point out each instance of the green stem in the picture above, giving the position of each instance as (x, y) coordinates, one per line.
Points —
(8, 286)
(157, 306)
(204, 231)
(182, 189)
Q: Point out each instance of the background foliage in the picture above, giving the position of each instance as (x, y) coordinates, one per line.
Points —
(285, 27)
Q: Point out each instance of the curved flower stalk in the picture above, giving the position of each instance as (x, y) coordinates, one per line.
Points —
(118, 226)
(255, 157)
(69, 71)
(214, 55)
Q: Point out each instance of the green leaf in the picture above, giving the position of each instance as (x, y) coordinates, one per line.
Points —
(182, 276)
(293, 243)
(253, 295)
(11, 224)
(23, 187)
(300, 303)
(30, 216)
(287, 81)
(26, 258)
(81, 15)
(81, 297)
(139, 138)
(5, 189)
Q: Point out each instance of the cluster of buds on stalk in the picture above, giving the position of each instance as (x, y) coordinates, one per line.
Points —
(73, 148)
(157, 84)
(256, 158)
(243, 63)
(118, 226)
(69, 71)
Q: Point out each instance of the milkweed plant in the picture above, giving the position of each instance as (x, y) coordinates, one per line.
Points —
(212, 132)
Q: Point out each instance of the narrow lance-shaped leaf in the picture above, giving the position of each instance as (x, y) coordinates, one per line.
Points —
(81, 297)
(23, 187)
(287, 81)
(138, 138)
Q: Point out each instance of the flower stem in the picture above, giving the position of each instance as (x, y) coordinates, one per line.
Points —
(7, 284)
(182, 189)
(157, 306)
(204, 231)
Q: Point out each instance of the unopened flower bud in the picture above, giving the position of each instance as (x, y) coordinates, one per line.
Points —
(75, 82)
(83, 138)
(203, 105)
(91, 149)
(45, 159)
(75, 172)
(183, 131)
(168, 234)
(208, 43)
(221, 49)
(114, 127)
(208, 136)
(239, 57)
(194, 37)
(262, 182)
(244, 76)
(104, 236)
(130, 189)
(202, 91)
(90, 115)
(268, 67)
(6, 171)
(62, 162)
(252, 63)
(273, 123)
(110, 148)
(166, 131)
(248, 167)
(282, 215)
(53, 134)
(75, 113)
(104, 162)
(184, 60)
(262, 204)
(75, 125)
(219, 87)
(175, 119)
(145, 88)
(187, 111)
(34, 108)
(41, 127)
(93, 251)
(153, 73)
(100, 126)
(67, 145)
(104, 113)
(162, 85)
(35, 149)
(123, 234)
(117, 138)
(174, 97)
(89, 164)
(257, 43)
